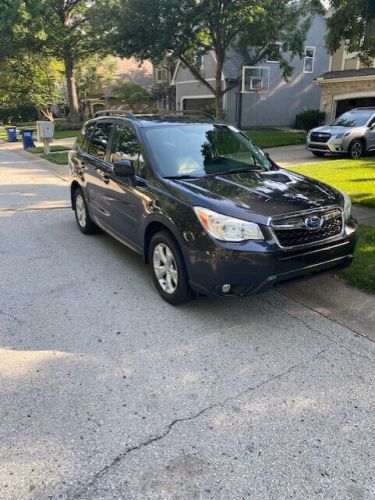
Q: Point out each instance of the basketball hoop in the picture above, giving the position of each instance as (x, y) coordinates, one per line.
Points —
(262, 92)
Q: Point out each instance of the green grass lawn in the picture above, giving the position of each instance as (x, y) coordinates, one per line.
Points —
(59, 134)
(362, 272)
(271, 138)
(59, 158)
(40, 149)
(354, 177)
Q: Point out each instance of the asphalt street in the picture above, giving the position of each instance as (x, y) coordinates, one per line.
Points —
(107, 392)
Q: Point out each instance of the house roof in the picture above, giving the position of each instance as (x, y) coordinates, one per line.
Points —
(348, 73)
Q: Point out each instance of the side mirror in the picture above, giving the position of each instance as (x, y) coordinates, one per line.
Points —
(123, 168)
(372, 126)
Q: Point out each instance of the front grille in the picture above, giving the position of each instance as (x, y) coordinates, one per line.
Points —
(293, 231)
(320, 137)
(322, 147)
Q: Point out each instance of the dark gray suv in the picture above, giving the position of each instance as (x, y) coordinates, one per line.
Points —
(204, 206)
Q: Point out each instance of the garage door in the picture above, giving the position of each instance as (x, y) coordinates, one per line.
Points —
(200, 104)
(348, 104)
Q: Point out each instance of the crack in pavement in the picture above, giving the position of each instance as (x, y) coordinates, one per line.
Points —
(152, 439)
(314, 330)
(2, 313)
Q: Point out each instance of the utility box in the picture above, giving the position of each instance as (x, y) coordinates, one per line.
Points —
(46, 130)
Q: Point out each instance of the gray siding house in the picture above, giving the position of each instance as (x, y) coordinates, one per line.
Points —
(261, 96)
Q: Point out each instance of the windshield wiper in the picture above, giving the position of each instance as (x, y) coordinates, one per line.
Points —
(180, 177)
(234, 171)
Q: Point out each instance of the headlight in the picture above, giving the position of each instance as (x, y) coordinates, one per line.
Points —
(339, 136)
(225, 228)
(347, 206)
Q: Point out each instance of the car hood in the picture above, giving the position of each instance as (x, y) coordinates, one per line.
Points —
(332, 129)
(258, 195)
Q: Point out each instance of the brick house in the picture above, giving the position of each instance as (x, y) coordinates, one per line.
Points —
(346, 85)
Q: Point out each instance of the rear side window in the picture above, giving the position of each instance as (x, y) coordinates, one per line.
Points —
(99, 139)
(83, 139)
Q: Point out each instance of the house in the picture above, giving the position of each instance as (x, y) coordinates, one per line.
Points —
(99, 95)
(163, 91)
(346, 85)
(261, 97)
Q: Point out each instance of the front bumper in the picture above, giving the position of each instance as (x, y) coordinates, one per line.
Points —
(259, 266)
(333, 146)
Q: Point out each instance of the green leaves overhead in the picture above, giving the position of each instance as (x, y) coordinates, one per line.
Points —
(353, 22)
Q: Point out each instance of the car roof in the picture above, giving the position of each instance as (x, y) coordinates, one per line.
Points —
(160, 119)
(364, 108)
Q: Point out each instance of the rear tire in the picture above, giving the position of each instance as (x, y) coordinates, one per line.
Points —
(356, 149)
(84, 221)
(318, 154)
(168, 269)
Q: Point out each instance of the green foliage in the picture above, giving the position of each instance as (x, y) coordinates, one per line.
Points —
(15, 115)
(182, 29)
(362, 272)
(28, 81)
(131, 93)
(63, 125)
(310, 118)
(278, 22)
(272, 138)
(353, 23)
(95, 68)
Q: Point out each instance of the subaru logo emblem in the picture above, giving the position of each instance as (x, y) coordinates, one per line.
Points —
(313, 222)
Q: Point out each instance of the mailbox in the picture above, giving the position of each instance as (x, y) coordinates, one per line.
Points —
(46, 130)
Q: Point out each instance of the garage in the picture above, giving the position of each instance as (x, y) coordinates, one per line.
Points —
(348, 104)
(201, 103)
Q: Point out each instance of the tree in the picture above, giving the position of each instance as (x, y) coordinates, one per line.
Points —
(131, 94)
(184, 29)
(29, 81)
(353, 22)
(64, 29)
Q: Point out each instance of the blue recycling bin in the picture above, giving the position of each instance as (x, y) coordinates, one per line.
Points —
(27, 138)
(11, 134)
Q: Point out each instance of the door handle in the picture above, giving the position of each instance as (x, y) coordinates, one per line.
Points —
(105, 177)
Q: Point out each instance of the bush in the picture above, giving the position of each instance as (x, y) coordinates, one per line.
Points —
(310, 118)
(18, 115)
(62, 124)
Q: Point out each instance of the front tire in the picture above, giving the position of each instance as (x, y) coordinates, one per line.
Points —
(356, 149)
(168, 269)
(84, 221)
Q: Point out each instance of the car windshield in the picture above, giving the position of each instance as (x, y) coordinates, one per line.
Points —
(198, 150)
(354, 118)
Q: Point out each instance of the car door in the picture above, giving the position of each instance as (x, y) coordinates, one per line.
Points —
(370, 134)
(128, 194)
(97, 172)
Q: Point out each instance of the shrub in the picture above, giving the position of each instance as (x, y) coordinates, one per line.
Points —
(62, 124)
(310, 118)
(18, 115)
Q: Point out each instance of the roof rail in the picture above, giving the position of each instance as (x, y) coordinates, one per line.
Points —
(109, 112)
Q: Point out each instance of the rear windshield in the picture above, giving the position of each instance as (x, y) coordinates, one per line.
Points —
(354, 118)
(198, 150)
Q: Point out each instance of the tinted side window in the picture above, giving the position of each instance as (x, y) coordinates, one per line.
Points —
(84, 138)
(125, 146)
(99, 139)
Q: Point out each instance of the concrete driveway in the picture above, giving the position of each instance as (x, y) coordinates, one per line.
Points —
(108, 392)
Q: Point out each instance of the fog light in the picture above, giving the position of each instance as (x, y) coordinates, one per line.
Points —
(338, 148)
(225, 288)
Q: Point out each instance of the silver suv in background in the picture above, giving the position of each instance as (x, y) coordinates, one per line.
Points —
(352, 133)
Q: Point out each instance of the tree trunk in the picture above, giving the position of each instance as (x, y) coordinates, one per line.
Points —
(219, 101)
(73, 115)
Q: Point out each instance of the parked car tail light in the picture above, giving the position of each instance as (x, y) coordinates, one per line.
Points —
(225, 228)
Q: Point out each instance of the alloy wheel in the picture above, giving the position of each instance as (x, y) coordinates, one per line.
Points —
(81, 210)
(356, 150)
(165, 268)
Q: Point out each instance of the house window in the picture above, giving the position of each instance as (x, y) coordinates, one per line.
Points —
(161, 75)
(309, 60)
(198, 61)
(255, 78)
(274, 53)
